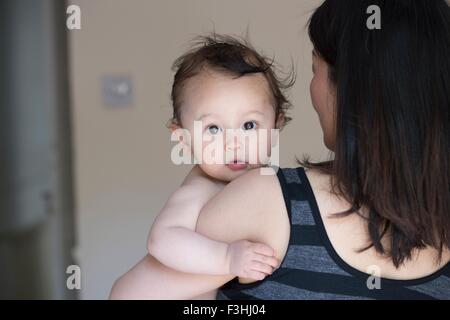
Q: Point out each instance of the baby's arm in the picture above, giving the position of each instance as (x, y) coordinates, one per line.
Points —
(174, 242)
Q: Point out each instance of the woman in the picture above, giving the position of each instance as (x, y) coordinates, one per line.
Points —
(375, 221)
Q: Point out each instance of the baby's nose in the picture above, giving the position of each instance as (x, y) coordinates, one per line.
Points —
(232, 143)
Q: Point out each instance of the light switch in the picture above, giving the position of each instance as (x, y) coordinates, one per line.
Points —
(117, 90)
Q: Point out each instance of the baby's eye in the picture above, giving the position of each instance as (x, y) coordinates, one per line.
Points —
(249, 125)
(213, 129)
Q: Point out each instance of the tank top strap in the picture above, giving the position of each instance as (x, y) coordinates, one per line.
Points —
(297, 197)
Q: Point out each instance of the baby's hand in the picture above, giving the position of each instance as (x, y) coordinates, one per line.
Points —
(251, 260)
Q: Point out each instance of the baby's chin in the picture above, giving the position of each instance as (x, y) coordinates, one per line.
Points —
(226, 173)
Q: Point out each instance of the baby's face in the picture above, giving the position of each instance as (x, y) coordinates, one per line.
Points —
(234, 116)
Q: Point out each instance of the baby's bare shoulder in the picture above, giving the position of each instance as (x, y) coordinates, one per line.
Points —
(196, 187)
(187, 201)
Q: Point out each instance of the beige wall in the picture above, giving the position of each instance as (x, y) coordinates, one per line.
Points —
(122, 156)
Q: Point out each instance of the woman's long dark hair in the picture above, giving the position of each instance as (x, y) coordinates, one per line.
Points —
(392, 129)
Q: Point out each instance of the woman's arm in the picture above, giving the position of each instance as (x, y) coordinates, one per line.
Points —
(250, 207)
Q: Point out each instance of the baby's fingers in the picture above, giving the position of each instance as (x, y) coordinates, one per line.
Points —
(271, 261)
(261, 267)
(263, 249)
(256, 275)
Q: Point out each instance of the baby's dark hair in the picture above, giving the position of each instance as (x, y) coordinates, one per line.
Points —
(231, 55)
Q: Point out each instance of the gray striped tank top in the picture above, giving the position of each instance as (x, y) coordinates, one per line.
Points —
(311, 268)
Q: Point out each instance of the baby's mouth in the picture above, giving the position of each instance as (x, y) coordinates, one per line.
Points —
(236, 165)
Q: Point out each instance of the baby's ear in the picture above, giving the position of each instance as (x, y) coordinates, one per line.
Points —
(281, 121)
(180, 134)
(173, 126)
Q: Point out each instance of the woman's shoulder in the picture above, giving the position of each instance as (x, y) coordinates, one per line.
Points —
(258, 186)
(269, 190)
(347, 235)
(250, 207)
(254, 194)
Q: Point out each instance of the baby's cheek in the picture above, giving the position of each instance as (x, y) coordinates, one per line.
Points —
(213, 150)
(196, 149)
(219, 172)
(209, 150)
(265, 146)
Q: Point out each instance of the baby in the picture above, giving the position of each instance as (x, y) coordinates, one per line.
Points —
(222, 84)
